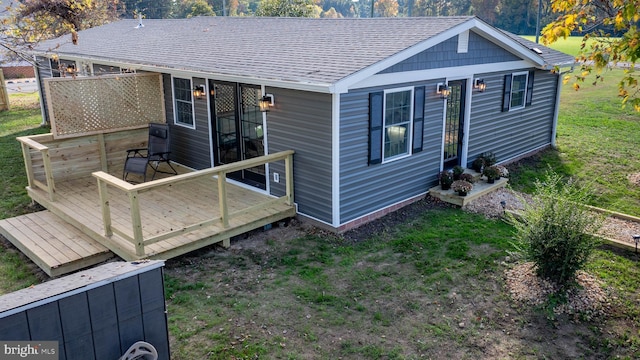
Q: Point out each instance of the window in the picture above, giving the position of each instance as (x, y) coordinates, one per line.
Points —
(518, 90)
(396, 119)
(397, 123)
(183, 104)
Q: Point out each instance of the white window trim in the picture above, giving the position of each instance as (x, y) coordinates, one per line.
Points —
(524, 94)
(175, 101)
(386, 160)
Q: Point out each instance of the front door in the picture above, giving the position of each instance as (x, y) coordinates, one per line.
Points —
(238, 132)
(454, 124)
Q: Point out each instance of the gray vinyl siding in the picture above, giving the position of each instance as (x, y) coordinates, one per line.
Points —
(367, 188)
(99, 320)
(190, 147)
(445, 54)
(301, 121)
(513, 133)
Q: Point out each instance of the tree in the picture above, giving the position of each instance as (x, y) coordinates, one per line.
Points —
(150, 9)
(286, 8)
(191, 8)
(597, 19)
(36, 20)
(386, 8)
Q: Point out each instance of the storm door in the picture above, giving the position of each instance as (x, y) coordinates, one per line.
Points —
(454, 124)
(238, 133)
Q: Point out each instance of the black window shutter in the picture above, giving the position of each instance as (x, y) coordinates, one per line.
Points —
(375, 127)
(418, 118)
(529, 88)
(506, 96)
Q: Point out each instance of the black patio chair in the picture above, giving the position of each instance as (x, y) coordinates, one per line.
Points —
(157, 152)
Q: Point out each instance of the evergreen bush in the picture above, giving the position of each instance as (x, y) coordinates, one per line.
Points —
(555, 230)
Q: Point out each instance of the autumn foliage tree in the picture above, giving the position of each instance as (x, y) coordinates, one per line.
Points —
(32, 21)
(597, 19)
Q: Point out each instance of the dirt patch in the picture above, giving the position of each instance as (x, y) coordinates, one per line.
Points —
(634, 179)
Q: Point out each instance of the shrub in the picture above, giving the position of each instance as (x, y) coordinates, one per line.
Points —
(555, 229)
(484, 160)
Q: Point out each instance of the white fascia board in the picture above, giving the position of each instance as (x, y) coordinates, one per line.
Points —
(439, 73)
(184, 73)
(476, 25)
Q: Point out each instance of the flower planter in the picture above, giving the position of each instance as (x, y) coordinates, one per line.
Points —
(462, 193)
(491, 180)
(445, 186)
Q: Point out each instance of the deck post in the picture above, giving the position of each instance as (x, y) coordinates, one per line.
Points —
(106, 210)
(288, 164)
(222, 198)
(136, 222)
(46, 159)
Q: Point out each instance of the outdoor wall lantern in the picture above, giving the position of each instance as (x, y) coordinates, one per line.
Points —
(480, 85)
(443, 90)
(266, 102)
(636, 238)
(199, 91)
(71, 69)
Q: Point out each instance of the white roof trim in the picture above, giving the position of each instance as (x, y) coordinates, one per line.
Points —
(480, 27)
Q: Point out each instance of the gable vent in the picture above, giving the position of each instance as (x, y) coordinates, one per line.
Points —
(463, 42)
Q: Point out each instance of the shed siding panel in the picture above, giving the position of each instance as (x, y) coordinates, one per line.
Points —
(366, 188)
(513, 133)
(190, 147)
(445, 54)
(104, 322)
(301, 121)
(43, 67)
(76, 329)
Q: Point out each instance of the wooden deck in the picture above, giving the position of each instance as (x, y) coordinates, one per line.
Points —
(78, 181)
(173, 208)
(54, 245)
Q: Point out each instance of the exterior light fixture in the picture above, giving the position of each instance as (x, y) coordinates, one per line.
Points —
(199, 91)
(503, 203)
(480, 85)
(444, 91)
(636, 238)
(71, 69)
(266, 103)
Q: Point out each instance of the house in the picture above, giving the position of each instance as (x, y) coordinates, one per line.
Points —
(373, 108)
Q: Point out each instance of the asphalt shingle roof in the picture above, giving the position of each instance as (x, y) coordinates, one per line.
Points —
(315, 51)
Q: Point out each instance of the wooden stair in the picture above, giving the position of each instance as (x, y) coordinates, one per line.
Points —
(51, 243)
(480, 187)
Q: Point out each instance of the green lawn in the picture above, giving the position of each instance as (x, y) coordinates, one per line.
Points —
(597, 142)
(570, 45)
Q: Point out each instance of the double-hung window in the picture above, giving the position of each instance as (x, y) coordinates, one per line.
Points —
(398, 119)
(518, 90)
(183, 103)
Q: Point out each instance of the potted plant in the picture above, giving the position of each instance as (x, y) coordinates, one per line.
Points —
(503, 171)
(446, 179)
(492, 173)
(462, 187)
(457, 171)
(467, 178)
(478, 164)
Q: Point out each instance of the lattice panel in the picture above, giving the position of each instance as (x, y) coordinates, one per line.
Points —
(99, 104)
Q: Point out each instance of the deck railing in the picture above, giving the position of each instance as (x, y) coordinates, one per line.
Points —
(133, 191)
